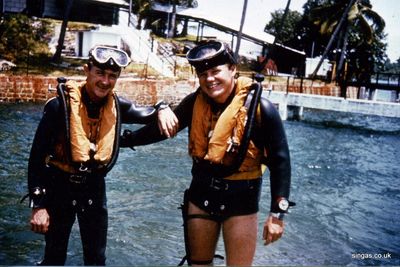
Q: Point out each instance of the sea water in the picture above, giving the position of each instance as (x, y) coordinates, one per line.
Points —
(345, 181)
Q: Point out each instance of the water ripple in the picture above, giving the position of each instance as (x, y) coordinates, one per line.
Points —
(344, 181)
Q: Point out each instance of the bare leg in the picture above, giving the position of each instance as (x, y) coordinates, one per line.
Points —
(203, 236)
(240, 238)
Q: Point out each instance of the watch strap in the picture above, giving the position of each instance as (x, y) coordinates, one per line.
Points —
(278, 215)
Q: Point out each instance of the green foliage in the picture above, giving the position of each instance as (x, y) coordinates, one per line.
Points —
(287, 29)
(392, 67)
(360, 43)
(22, 36)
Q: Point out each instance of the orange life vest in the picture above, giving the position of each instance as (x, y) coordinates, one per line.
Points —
(90, 139)
(216, 138)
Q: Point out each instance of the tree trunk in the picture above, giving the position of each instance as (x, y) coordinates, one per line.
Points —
(171, 30)
(333, 37)
(185, 27)
(139, 22)
(279, 30)
(341, 76)
(67, 11)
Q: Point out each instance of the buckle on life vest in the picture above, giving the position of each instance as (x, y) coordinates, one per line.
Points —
(218, 184)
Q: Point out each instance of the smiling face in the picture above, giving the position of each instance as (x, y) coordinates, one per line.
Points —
(218, 82)
(99, 82)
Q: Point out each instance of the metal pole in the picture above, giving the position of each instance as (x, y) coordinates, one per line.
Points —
(239, 36)
(312, 49)
(287, 85)
(168, 18)
(301, 84)
(130, 12)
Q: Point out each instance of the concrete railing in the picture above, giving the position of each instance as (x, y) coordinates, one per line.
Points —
(297, 102)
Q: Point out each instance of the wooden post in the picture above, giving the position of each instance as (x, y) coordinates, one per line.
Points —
(287, 85)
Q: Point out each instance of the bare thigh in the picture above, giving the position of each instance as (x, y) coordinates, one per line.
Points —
(240, 238)
(202, 234)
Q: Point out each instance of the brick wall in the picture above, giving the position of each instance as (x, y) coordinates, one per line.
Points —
(25, 88)
(142, 92)
(148, 92)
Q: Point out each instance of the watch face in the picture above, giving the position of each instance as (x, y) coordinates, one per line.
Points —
(283, 204)
(163, 106)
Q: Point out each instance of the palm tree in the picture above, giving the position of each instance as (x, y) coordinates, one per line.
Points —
(341, 20)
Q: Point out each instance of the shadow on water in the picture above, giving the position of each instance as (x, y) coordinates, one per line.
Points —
(345, 182)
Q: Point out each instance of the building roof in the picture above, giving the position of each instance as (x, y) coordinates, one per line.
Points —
(119, 3)
(254, 36)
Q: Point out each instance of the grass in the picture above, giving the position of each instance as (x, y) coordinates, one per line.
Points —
(72, 66)
(42, 65)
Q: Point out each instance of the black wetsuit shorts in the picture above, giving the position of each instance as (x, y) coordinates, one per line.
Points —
(223, 198)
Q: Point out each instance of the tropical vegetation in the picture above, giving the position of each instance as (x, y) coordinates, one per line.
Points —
(23, 37)
(349, 33)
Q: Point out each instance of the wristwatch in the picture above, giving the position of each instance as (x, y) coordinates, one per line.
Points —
(160, 105)
(283, 204)
(37, 196)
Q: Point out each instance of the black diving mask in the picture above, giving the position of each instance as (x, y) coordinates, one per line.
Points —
(210, 54)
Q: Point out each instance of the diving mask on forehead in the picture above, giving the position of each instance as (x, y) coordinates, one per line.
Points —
(110, 55)
(210, 54)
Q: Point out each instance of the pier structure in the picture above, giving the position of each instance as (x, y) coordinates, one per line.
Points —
(291, 105)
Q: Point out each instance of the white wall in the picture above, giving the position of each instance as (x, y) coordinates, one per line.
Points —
(312, 63)
(93, 38)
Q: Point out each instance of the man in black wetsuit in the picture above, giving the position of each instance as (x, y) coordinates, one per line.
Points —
(76, 144)
(227, 166)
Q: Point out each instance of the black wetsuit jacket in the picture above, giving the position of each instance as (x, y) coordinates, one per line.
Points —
(269, 135)
(52, 122)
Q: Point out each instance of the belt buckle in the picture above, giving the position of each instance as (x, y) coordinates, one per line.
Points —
(77, 179)
(218, 184)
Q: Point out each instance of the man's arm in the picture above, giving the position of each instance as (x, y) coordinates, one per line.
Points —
(42, 144)
(150, 133)
(278, 156)
(167, 121)
(278, 162)
(133, 114)
(37, 173)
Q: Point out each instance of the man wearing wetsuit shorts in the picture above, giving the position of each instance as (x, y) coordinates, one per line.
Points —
(227, 168)
(76, 144)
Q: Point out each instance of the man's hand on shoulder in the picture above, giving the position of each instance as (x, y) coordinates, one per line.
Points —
(167, 122)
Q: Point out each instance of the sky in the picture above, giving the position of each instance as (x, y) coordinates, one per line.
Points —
(229, 12)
